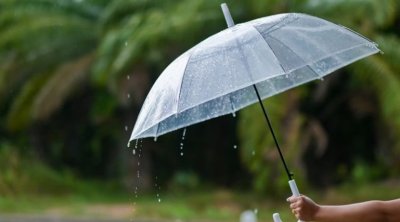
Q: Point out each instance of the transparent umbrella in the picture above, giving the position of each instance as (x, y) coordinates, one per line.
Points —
(244, 64)
(219, 75)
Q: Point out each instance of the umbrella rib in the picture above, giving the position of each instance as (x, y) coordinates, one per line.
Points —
(287, 47)
(279, 62)
(183, 76)
(311, 68)
(294, 54)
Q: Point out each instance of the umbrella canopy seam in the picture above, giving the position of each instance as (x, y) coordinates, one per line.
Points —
(183, 77)
(272, 50)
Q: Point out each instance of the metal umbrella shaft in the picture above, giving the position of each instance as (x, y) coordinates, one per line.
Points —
(289, 174)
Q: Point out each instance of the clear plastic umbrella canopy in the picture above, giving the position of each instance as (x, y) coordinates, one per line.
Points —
(217, 76)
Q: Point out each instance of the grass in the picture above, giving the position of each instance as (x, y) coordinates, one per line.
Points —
(204, 205)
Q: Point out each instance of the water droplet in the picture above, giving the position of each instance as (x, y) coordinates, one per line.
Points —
(129, 95)
(133, 151)
(137, 141)
(155, 139)
(234, 146)
(253, 153)
(183, 138)
(159, 200)
(184, 133)
(256, 211)
(126, 128)
(138, 163)
(128, 77)
(234, 114)
(126, 43)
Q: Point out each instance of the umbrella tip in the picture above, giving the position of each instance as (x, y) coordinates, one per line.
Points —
(227, 15)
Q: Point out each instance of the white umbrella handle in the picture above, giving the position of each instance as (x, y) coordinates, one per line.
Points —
(276, 217)
(295, 190)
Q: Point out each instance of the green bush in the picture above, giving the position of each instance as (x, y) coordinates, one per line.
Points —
(22, 174)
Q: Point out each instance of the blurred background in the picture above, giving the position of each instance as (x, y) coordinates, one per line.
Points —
(73, 77)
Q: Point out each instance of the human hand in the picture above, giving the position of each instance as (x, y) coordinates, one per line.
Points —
(303, 207)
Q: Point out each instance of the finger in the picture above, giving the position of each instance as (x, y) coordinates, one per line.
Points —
(293, 205)
(292, 199)
(296, 213)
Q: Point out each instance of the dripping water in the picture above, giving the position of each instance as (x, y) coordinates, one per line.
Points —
(182, 140)
(158, 189)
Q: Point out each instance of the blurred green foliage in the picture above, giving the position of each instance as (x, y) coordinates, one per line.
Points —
(73, 74)
(22, 175)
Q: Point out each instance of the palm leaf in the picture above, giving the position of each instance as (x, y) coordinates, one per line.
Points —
(376, 73)
(20, 113)
(62, 83)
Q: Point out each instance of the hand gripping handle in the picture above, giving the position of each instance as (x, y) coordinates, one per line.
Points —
(295, 190)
